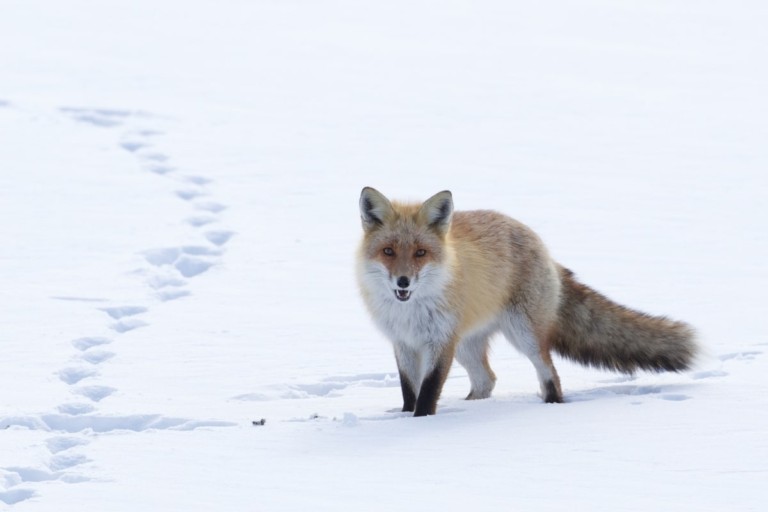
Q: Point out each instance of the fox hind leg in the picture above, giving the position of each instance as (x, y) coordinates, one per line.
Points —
(472, 354)
(517, 329)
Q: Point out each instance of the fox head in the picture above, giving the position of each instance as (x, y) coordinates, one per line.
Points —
(404, 245)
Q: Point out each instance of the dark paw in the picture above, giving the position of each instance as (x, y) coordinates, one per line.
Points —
(552, 395)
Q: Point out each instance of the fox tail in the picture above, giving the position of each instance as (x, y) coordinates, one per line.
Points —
(595, 331)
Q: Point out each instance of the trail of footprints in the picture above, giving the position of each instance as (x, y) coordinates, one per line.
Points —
(619, 386)
(168, 271)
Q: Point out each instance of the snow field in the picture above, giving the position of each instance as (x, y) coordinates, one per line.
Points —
(179, 192)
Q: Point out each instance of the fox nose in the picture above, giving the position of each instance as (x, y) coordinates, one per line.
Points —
(403, 282)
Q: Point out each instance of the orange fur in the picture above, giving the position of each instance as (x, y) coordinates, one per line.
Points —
(440, 283)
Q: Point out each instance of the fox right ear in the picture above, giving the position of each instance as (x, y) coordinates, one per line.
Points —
(374, 208)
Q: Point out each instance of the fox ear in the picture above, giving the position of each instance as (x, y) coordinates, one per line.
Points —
(437, 211)
(374, 208)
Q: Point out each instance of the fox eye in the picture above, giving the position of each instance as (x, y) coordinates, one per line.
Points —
(421, 253)
(389, 251)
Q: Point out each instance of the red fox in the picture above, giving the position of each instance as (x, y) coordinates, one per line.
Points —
(440, 283)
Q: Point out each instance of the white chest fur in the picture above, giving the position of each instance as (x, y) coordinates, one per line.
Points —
(416, 323)
(422, 320)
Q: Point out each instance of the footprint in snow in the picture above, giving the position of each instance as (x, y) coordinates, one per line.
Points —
(675, 397)
(152, 156)
(190, 266)
(708, 374)
(168, 295)
(162, 256)
(64, 461)
(189, 261)
(330, 386)
(97, 356)
(198, 180)
(149, 158)
(63, 443)
(210, 206)
(219, 237)
(124, 316)
(189, 194)
(199, 221)
(96, 393)
(133, 146)
(75, 409)
(128, 324)
(160, 169)
(121, 311)
(14, 496)
(74, 375)
(56, 471)
(84, 344)
(166, 280)
(741, 356)
(101, 117)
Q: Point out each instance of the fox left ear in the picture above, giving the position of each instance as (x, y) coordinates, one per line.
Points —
(437, 211)
(374, 208)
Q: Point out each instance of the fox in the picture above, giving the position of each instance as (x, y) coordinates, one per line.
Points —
(440, 283)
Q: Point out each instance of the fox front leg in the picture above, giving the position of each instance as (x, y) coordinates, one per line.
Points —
(434, 379)
(408, 367)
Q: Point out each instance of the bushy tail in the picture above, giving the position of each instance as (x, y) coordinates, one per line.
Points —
(595, 331)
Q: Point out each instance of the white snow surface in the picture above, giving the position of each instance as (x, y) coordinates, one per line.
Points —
(178, 190)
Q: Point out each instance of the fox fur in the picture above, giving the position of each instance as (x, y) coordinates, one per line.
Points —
(440, 283)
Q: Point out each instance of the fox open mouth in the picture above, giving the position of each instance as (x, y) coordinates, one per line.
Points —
(402, 295)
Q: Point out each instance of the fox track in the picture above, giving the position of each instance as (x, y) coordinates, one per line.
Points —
(167, 273)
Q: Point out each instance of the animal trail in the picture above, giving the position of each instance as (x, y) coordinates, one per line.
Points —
(328, 387)
(708, 374)
(167, 271)
(617, 390)
(68, 424)
(741, 356)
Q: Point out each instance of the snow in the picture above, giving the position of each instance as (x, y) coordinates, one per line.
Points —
(178, 190)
